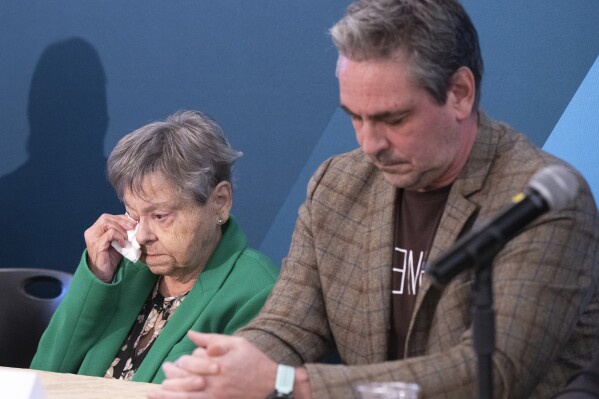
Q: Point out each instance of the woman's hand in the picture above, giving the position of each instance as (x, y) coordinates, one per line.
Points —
(102, 258)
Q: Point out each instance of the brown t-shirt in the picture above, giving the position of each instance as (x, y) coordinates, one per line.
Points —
(416, 220)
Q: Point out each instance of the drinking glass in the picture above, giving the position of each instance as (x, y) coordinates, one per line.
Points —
(388, 390)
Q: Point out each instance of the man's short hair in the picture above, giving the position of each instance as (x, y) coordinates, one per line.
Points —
(436, 36)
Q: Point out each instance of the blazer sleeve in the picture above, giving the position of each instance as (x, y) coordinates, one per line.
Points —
(243, 293)
(292, 327)
(77, 323)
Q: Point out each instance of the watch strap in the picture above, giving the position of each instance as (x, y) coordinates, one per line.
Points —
(285, 379)
(283, 383)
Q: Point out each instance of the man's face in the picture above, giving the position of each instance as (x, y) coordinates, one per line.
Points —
(176, 234)
(414, 141)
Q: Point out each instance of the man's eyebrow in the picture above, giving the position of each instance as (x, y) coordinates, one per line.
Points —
(379, 116)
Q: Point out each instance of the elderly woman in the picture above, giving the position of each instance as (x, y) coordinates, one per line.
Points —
(123, 319)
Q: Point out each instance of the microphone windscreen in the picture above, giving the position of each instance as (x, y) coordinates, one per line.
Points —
(557, 185)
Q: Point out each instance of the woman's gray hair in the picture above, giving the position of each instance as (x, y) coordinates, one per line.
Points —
(188, 148)
(437, 36)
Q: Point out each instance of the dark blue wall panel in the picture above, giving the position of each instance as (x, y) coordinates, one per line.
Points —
(76, 76)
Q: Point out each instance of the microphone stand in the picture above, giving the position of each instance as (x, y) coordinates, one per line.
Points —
(483, 324)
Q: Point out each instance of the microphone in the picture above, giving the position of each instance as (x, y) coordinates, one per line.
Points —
(551, 188)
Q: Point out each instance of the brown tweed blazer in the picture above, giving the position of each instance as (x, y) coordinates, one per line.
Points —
(335, 284)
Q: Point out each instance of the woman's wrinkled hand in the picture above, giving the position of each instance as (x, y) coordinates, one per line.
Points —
(102, 258)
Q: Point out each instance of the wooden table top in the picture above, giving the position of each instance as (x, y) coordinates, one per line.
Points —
(72, 386)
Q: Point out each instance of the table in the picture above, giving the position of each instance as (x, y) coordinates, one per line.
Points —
(72, 386)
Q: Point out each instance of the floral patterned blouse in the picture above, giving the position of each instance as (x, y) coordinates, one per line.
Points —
(149, 324)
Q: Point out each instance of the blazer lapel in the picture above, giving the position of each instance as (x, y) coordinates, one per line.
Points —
(217, 269)
(378, 249)
(137, 284)
(459, 215)
(182, 320)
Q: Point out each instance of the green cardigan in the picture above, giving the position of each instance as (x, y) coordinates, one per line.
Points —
(93, 320)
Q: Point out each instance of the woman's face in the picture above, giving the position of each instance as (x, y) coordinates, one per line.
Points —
(176, 234)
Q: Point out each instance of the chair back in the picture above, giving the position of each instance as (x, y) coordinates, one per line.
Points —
(28, 299)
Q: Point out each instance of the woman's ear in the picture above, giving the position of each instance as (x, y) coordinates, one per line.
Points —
(222, 200)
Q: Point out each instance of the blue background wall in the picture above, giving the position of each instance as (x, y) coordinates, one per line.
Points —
(76, 76)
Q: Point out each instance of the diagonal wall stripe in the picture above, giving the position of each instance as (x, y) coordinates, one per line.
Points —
(338, 137)
(575, 137)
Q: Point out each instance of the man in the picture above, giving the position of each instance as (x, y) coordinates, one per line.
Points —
(430, 168)
(584, 385)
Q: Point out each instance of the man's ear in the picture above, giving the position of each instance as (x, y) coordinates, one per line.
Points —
(222, 199)
(461, 94)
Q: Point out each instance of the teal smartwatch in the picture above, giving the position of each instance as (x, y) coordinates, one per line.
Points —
(283, 383)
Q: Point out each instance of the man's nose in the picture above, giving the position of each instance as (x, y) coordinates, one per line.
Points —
(373, 138)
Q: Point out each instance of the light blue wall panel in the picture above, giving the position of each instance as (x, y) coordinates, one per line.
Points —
(575, 138)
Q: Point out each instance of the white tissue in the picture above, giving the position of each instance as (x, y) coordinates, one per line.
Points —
(132, 250)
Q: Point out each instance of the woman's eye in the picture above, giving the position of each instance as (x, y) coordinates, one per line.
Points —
(159, 216)
(131, 217)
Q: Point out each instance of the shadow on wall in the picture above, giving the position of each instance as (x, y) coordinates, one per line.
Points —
(61, 190)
